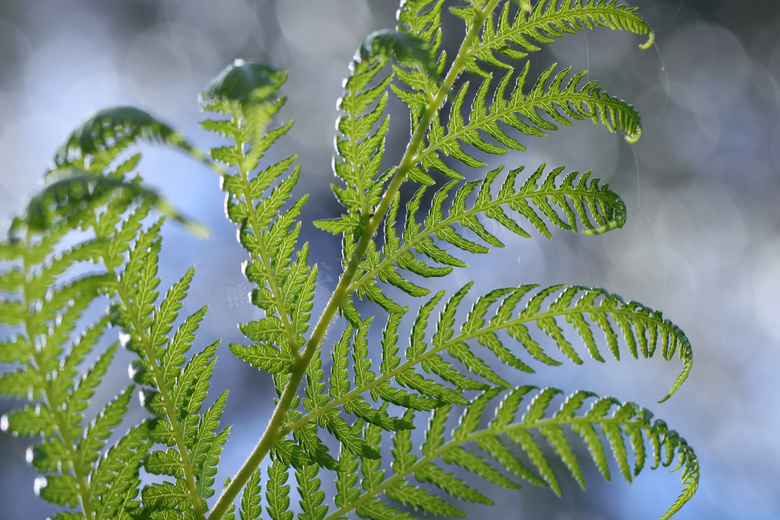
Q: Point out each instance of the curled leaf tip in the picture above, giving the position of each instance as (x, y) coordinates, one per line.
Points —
(635, 137)
(649, 42)
(407, 48)
(245, 82)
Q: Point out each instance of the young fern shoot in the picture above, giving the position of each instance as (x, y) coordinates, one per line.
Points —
(94, 216)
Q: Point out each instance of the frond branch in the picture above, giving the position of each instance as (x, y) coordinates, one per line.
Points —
(149, 350)
(658, 431)
(64, 427)
(265, 255)
(546, 22)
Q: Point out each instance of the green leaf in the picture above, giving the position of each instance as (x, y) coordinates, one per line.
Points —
(99, 430)
(166, 495)
(264, 357)
(247, 82)
(167, 462)
(311, 494)
(58, 490)
(251, 508)
(103, 136)
(562, 103)
(278, 492)
(405, 47)
(168, 311)
(514, 38)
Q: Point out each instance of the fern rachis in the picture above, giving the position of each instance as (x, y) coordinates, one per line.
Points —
(449, 361)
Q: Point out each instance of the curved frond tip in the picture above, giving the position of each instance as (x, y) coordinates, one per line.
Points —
(72, 193)
(407, 48)
(644, 331)
(524, 421)
(247, 82)
(102, 137)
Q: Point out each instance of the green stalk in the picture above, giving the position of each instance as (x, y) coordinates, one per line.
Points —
(274, 429)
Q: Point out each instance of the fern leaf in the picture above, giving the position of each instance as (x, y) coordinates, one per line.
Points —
(166, 495)
(278, 492)
(419, 499)
(98, 141)
(594, 309)
(70, 193)
(421, 19)
(115, 479)
(173, 356)
(95, 435)
(562, 101)
(311, 494)
(537, 421)
(251, 508)
(206, 446)
(249, 83)
(360, 147)
(169, 309)
(264, 357)
(577, 199)
(516, 37)
(246, 91)
(450, 484)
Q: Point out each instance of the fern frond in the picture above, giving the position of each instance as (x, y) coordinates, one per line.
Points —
(72, 194)
(360, 146)
(617, 423)
(586, 310)
(552, 95)
(575, 199)
(99, 140)
(250, 84)
(174, 391)
(421, 19)
(268, 227)
(115, 480)
(644, 332)
(311, 494)
(45, 304)
(515, 36)
(251, 508)
(360, 142)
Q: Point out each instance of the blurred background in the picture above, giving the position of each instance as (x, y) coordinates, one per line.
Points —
(702, 242)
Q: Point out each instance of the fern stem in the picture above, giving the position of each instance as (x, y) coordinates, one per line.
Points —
(170, 409)
(274, 429)
(54, 405)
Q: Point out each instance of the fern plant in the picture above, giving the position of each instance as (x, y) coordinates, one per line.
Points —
(91, 239)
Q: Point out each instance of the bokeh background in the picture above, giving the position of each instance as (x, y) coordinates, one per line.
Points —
(702, 241)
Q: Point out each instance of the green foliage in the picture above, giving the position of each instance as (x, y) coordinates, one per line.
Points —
(90, 239)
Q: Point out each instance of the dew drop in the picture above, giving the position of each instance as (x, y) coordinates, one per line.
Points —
(40, 484)
(124, 339)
